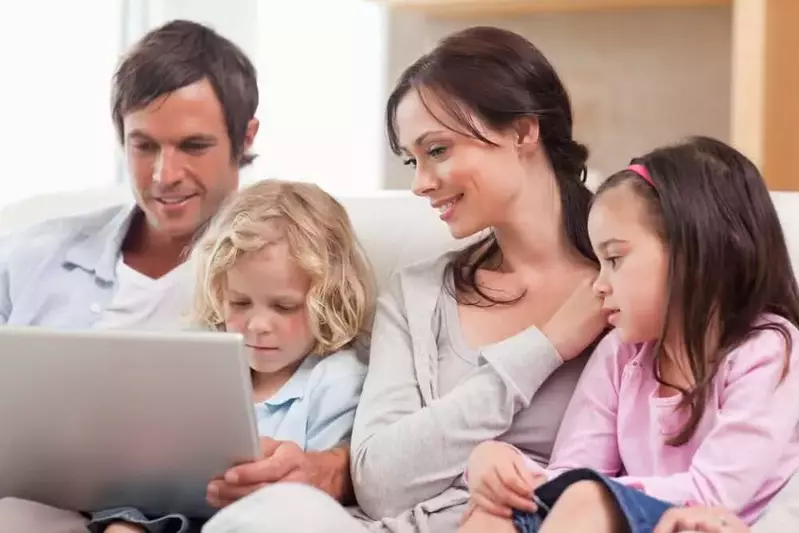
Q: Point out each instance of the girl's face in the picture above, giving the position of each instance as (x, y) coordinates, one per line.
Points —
(265, 301)
(634, 264)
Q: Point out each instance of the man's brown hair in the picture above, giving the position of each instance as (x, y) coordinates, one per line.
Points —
(181, 53)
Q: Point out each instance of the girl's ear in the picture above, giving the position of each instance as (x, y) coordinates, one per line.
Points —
(526, 131)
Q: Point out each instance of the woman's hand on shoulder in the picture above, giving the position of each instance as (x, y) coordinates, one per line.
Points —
(500, 480)
(578, 321)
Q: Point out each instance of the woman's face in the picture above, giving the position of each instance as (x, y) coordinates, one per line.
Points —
(472, 184)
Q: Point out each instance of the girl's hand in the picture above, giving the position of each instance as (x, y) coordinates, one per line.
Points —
(500, 480)
(701, 519)
(123, 527)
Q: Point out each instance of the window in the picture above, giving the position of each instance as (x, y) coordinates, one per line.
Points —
(321, 74)
(54, 101)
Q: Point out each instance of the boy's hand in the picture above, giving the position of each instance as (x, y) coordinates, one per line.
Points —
(500, 481)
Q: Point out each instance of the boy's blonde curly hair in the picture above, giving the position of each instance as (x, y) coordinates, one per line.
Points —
(320, 239)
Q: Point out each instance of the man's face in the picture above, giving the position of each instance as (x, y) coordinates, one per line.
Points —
(179, 156)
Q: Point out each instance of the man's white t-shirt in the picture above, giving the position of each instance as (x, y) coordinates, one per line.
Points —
(144, 303)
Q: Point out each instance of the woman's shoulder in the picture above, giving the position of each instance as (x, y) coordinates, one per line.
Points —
(427, 269)
(418, 285)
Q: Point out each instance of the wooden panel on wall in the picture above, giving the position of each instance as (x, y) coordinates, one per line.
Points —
(781, 152)
(765, 92)
(459, 8)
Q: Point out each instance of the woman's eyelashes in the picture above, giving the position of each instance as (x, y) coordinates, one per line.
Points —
(434, 152)
(437, 152)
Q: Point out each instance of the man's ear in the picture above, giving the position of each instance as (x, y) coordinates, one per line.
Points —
(526, 131)
(250, 133)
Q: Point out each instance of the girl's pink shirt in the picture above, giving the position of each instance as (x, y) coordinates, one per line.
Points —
(745, 448)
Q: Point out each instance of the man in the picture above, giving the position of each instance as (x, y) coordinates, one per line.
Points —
(184, 101)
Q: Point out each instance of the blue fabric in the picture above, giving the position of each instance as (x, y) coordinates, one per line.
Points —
(641, 513)
(172, 523)
(61, 273)
(316, 407)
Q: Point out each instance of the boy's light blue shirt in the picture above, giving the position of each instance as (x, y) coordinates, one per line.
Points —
(316, 406)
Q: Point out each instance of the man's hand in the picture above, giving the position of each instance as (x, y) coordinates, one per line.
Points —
(500, 481)
(284, 461)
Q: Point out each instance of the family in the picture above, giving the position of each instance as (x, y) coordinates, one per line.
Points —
(617, 361)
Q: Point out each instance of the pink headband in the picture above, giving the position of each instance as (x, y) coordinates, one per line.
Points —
(642, 171)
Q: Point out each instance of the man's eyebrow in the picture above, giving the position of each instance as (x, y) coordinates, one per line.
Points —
(194, 137)
(138, 134)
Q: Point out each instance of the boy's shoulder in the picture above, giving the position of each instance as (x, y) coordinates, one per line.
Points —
(335, 380)
(342, 364)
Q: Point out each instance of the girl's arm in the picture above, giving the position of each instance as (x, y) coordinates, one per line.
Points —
(757, 423)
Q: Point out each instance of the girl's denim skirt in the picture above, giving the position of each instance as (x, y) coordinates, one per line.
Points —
(640, 512)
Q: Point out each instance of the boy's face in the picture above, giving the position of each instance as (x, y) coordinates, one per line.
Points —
(265, 300)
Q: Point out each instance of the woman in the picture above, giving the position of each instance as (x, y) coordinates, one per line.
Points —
(484, 343)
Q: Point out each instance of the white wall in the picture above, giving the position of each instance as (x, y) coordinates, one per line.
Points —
(321, 74)
(321, 77)
(55, 125)
(322, 80)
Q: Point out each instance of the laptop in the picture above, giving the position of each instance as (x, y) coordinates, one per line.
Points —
(91, 420)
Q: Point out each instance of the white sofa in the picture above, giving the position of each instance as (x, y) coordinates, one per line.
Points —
(394, 227)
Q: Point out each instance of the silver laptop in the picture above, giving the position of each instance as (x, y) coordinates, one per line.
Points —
(91, 420)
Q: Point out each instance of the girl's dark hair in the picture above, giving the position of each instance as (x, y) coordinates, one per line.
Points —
(728, 261)
(499, 77)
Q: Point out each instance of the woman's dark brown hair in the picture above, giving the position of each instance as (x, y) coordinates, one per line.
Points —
(728, 262)
(499, 77)
(181, 53)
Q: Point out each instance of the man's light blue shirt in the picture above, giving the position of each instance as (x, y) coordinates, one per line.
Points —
(61, 273)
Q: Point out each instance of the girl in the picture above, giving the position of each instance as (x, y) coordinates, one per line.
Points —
(280, 264)
(691, 400)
